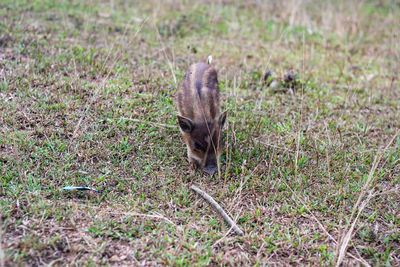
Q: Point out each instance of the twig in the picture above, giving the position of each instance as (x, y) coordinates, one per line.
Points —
(219, 209)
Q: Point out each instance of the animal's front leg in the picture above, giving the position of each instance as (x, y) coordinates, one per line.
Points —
(193, 163)
(193, 166)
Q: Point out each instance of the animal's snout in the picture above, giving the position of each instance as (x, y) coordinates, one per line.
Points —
(210, 169)
(211, 166)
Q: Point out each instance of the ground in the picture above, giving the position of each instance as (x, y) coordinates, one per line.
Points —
(310, 169)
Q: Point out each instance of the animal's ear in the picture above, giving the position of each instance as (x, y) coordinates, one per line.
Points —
(222, 119)
(186, 124)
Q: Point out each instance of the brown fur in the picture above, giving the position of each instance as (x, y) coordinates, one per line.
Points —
(199, 115)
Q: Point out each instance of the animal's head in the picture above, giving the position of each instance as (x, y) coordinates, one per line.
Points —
(203, 141)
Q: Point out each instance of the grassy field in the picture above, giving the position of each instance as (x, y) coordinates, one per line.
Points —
(310, 171)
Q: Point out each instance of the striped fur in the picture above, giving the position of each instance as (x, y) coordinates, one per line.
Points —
(199, 116)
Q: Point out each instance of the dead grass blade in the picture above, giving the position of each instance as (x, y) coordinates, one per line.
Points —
(106, 78)
(321, 226)
(2, 257)
(223, 238)
(342, 246)
(163, 125)
(170, 64)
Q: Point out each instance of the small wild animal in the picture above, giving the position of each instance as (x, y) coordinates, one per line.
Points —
(199, 116)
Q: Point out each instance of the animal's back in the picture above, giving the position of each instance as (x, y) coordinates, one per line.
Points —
(198, 95)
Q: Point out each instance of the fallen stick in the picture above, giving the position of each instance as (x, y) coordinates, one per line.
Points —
(219, 209)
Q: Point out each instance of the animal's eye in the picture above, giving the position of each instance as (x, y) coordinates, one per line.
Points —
(197, 146)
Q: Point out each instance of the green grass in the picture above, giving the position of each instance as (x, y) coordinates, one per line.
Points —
(87, 99)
